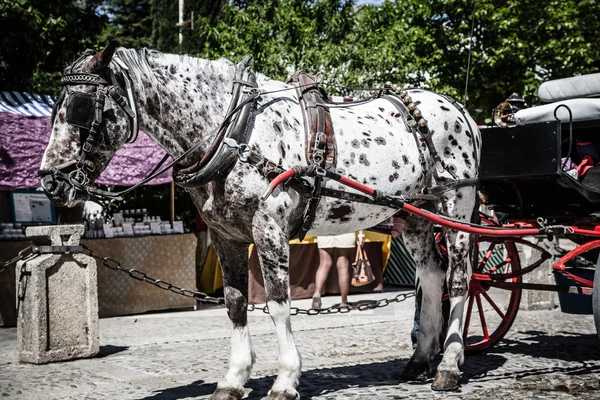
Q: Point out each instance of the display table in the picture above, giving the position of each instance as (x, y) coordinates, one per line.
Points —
(171, 258)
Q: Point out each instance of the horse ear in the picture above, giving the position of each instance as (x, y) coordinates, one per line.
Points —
(102, 58)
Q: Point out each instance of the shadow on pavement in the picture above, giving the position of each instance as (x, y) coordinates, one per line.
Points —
(109, 350)
(324, 381)
(194, 389)
(566, 346)
(580, 349)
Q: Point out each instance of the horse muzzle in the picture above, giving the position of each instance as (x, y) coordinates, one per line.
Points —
(57, 186)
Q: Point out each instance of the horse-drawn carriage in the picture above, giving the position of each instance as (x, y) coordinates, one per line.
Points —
(231, 133)
(538, 168)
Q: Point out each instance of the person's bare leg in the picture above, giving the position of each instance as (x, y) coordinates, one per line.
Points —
(325, 262)
(343, 267)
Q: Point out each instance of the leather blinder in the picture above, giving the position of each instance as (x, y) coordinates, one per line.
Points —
(80, 109)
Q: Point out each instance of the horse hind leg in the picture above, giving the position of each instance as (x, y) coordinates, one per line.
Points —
(458, 275)
(234, 264)
(272, 246)
(419, 239)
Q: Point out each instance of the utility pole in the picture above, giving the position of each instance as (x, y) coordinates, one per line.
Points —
(180, 21)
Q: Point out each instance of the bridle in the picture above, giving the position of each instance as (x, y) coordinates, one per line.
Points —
(85, 111)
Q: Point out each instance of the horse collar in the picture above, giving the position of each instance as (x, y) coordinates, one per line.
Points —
(219, 157)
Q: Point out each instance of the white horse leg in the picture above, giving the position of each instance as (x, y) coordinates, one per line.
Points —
(419, 239)
(457, 279)
(234, 264)
(273, 251)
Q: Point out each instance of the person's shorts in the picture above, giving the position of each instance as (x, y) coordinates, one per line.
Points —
(344, 241)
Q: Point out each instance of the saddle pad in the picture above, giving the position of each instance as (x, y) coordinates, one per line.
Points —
(570, 88)
(582, 109)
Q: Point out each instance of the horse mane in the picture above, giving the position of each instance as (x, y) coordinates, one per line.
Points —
(137, 60)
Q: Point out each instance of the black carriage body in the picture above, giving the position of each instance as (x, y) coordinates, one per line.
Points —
(522, 175)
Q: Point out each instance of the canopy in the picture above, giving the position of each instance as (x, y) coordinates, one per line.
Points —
(24, 135)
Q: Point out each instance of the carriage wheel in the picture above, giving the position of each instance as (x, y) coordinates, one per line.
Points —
(596, 297)
(489, 311)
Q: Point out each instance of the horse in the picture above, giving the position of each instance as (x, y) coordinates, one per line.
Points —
(181, 101)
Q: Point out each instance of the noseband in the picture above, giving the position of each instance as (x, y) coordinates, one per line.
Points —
(85, 111)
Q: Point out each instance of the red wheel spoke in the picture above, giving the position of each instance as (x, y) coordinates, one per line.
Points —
(487, 256)
(489, 299)
(486, 335)
(468, 319)
(502, 264)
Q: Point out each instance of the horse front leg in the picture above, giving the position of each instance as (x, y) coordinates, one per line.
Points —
(234, 264)
(457, 280)
(272, 246)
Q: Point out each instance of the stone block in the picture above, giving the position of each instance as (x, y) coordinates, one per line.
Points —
(537, 299)
(57, 300)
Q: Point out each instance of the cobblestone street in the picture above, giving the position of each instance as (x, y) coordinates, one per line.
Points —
(181, 355)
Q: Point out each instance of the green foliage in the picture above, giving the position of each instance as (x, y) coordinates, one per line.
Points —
(130, 22)
(516, 45)
(39, 37)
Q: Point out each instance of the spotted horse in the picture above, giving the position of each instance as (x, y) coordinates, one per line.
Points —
(191, 106)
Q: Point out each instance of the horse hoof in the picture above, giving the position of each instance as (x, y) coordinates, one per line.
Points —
(227, 394)
(286, 395)
(418, 371)
(446, 380)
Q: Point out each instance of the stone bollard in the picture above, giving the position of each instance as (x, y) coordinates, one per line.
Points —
(57, 298)
(537, 299)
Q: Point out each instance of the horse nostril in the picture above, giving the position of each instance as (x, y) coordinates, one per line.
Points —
(50, 185)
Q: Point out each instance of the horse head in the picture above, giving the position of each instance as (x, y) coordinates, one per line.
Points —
(94, 115)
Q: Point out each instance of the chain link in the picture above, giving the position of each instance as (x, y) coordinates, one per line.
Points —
(337, 309)
(31, 252)
(141, 276)
(204, 298)
(26, 254)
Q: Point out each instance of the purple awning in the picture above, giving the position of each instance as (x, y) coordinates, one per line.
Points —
(23, 140)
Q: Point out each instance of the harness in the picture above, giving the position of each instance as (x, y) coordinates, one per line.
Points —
(85, 111)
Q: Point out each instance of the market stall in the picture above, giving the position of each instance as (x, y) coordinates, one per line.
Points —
(304, 261)
(139, 240)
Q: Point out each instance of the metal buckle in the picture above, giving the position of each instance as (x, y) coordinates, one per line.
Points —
(87, 147)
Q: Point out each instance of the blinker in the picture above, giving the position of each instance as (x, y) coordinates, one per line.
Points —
(80, 109)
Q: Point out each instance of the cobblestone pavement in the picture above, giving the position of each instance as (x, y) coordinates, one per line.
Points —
(181, 355)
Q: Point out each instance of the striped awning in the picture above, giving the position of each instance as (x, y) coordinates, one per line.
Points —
(27, 104)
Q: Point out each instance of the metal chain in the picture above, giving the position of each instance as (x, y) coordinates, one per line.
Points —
(340, 310)
(204, 298)
(26, 254)
(141, 276)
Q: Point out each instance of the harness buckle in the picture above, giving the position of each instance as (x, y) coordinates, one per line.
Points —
(319, 171)
(318, 157)
(87, 147)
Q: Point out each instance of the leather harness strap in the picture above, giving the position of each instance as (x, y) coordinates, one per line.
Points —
(219, 158)
(318, 128)
(319, 140)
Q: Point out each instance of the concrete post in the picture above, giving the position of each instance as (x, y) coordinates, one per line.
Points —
(538, 299)
(57, 299)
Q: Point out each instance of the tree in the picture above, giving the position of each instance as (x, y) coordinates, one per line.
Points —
(39, 37)
(130, 21)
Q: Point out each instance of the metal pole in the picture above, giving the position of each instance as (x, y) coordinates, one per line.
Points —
(180, 21)
(172, 216)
